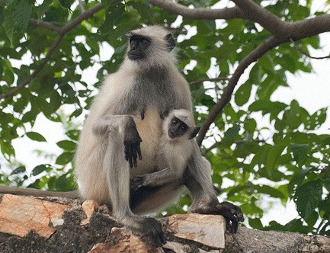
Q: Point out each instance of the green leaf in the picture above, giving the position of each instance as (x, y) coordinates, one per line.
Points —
(39, 169)
(67, 145)
(18, 170)
(17, 16)
(299, 152)
(275, 193)
(273, 155)
(73, 134)
(42, 8)
(65, 158)
(36, 136)
(231, 134)
(307, 198)
(66, 3)
(243, 93)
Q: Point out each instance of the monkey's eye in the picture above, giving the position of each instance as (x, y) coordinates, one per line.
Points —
(174, 121)
(184, 127)
(145, 42)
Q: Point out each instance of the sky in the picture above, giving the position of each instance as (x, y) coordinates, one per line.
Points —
(312, 91)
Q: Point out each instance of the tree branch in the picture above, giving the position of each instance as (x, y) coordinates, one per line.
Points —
(198, 13)
(43, 62)
(217, 79)
(229, 89)
(266, 19)
(44, 24)
(247, 9)
(307, 54)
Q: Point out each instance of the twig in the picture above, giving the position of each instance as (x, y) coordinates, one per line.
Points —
(214, 145)
(62, 32)
(217, 79)
(307, 54)
(44, 24)
(37, 70)
(81, 6)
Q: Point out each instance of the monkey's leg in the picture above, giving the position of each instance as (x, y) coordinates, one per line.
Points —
(199, 183)
(117, 171)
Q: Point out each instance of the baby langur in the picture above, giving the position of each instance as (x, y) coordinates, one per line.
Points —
(175, 150)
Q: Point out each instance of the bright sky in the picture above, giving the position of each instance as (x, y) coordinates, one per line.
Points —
(311, 90)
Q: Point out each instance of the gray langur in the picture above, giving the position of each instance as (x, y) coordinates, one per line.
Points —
(122, 134)
(175, 149)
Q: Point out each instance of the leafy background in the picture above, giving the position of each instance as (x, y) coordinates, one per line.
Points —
(248, 169)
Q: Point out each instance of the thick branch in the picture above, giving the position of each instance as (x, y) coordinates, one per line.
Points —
(256, 13)
(246, 9)
(198, 13)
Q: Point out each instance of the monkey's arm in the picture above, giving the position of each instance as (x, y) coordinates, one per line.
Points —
(197, 178)
(38, 193)
(157, 178)
(127, 127)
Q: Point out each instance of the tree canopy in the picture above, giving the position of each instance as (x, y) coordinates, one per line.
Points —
(47, 46)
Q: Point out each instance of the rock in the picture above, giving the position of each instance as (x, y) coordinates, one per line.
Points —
(21, 214)
(205, 229)
(89, 207)
(177, 247)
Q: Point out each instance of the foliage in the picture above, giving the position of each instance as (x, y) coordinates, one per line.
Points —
(293, 163)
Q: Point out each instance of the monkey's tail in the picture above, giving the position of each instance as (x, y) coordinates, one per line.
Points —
(37, 193)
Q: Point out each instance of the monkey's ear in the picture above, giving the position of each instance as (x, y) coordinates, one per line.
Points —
(194, 133)
(170, 42)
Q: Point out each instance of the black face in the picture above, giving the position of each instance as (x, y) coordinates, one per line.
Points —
(170, 42)
(138, 46)
(177, 128)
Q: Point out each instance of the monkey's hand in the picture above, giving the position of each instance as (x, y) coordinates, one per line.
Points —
(233, 215)
(132, 142)
(136, 183)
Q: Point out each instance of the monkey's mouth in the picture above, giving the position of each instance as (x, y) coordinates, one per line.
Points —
(171, 135)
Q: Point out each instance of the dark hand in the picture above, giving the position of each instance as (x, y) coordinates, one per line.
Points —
(132, 149)
(233, 215)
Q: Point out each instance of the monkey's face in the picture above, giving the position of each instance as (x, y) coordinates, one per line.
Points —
(150, 43)
(138, 46)
(177, 128)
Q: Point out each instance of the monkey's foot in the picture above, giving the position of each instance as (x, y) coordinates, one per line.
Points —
(233, 214)
(147, 228)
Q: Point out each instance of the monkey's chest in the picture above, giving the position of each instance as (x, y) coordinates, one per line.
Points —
(146, 92)
(150, 131)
